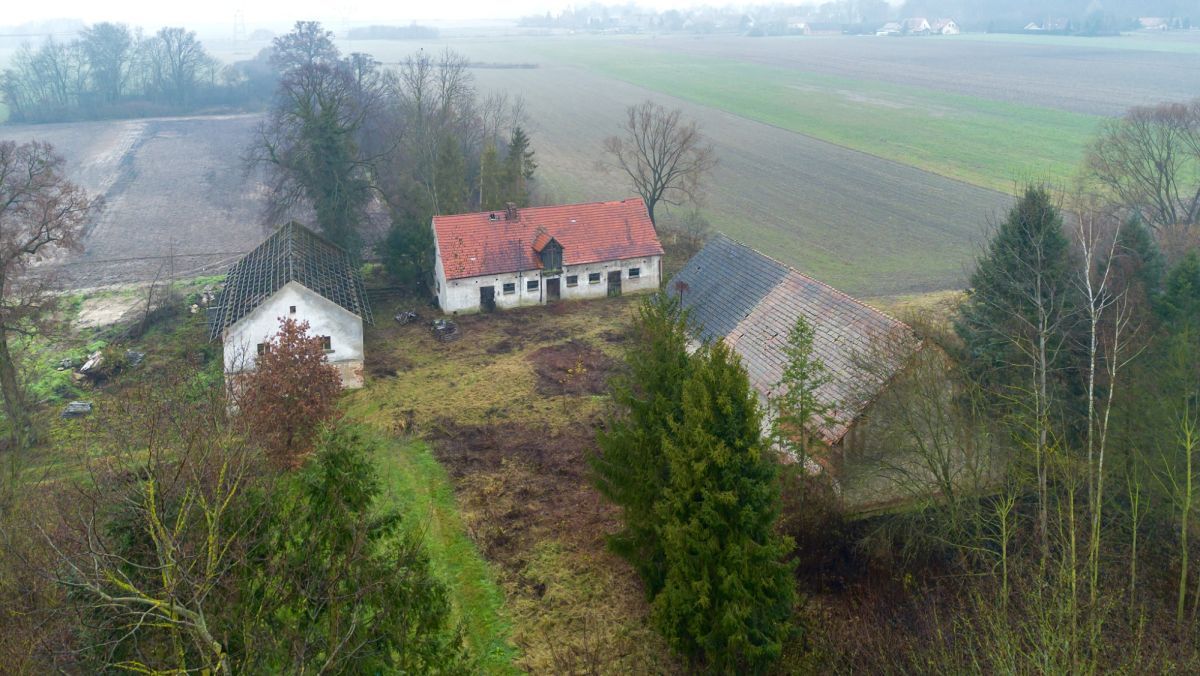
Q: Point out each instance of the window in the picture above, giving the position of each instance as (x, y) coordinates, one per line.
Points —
(593, 278)
(532, 285)
(292, 310)
(634, 273)
(510, 287)
(572, 280)
(262, 348)
(327, 343)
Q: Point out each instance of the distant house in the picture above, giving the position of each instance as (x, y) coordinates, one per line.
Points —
(298, 274)
(798, 27)
(751, 301)
(944, 27)
(536, 255)
(1154, 23)
(890, 29)
(1059, 25)
(916, 26)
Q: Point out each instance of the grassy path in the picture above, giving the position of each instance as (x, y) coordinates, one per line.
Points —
(417, 485)
(986, 143)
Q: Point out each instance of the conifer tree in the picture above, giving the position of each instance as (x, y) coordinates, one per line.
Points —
(630, 469)
(1020, 292)
(728, 595)
(798, 410)
(1180, 304)
(490, 179)
(450, 177)
(518, 168)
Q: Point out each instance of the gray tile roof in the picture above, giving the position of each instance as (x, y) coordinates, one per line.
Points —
(293, 253)
(725, 282)
(752, 302)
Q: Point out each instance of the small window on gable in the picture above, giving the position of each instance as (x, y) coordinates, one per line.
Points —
(593, 278)
(572, 280)
(262, 348)
(634, 273)
(292, 310)
(510, 287)
(532, 285)
(327, 343)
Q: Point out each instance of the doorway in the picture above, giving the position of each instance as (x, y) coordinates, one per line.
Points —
(552, 289)
(487, 298)
(614, 283)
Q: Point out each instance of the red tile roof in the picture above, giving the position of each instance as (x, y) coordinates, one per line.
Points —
(487, 243)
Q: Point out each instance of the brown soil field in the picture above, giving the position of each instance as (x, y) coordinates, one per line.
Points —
(176, 197)
(864, 224)
(1077, 78)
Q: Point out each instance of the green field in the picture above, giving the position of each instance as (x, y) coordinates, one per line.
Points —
(986, 143)
(1170, 42)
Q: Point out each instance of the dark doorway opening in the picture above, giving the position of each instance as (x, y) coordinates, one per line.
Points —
(487, 298)
(552, 289)
(614, 283)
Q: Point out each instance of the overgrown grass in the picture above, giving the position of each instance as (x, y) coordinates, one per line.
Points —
(416, 485)
(986, 143)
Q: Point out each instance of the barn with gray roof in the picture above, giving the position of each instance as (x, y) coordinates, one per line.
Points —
(751, 301)
(295, 273)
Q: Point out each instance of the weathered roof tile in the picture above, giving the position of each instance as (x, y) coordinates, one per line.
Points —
(489, 243)
(752, 301)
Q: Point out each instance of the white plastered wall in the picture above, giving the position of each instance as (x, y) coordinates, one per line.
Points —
(462, 295)
(325, 318)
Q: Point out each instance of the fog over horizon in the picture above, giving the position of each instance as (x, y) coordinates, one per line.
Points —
(277, 15)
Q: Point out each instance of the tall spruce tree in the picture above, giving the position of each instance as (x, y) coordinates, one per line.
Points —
(728, 595)
(519, 166)
(1180, 302)
(490, 179)
(1021, 292)
(630, 469)
(450, 177)
(1016, 326)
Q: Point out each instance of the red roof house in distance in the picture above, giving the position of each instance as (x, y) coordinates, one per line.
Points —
(536, 255)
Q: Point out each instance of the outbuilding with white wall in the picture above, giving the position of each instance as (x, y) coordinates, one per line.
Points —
(536, 255)
(300, 275)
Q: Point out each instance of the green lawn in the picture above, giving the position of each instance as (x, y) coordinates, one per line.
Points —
(417, 485)
(987, 143)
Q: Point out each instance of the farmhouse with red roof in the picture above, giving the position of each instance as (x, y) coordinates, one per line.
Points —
(535, 255)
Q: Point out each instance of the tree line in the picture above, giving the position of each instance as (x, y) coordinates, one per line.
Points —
(111, 70)
(347, 142)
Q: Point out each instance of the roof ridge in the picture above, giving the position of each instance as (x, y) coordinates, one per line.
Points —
(545, 206)
(834, 289)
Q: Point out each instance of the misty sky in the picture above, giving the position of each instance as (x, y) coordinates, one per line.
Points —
(154, 13)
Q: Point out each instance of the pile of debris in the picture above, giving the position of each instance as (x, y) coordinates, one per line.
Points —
(97, 368)
(77, 409)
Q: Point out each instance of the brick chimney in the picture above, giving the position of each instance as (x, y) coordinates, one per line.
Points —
(510, 211)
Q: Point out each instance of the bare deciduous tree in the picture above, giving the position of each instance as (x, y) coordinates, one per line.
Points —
(40, 210)
(1150, 160)
(665, 156)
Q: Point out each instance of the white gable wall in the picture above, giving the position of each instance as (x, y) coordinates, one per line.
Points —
(325, 318)
(462, 295)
